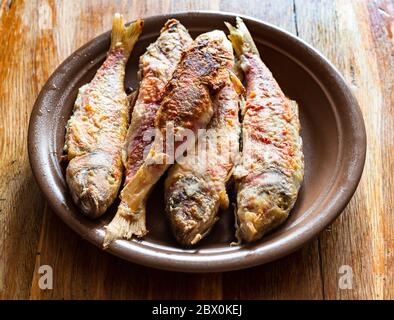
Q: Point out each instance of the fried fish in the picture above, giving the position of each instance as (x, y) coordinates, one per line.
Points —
(156, 67)
(195, 187)
(96, 131)
(186, 105)
(271, 169)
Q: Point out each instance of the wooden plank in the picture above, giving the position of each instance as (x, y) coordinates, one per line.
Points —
(296, 276)
(278, 12)
(381, 19)
(81, 270)
(353, 35)
(25, 63)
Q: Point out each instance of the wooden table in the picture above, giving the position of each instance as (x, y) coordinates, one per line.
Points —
(37, 35)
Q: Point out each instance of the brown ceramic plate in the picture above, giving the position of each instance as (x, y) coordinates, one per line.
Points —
(332, 129)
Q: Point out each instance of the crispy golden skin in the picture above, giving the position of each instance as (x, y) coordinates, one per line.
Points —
(271, 169)
(98, 126)
(156, 66)
(186, 104)
(195, 187)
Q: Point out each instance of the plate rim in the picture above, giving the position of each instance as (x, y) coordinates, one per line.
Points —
(236, 260)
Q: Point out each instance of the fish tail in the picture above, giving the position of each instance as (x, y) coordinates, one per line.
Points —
(125, 225)
(241, 38)
(130, 219)
(125, 36)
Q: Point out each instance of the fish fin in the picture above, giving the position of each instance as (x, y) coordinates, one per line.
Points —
(130, 219)
(237, 231)
(238, 87)
(241, 38)
(124, 226)
(223, 200)
(237, 69)
(123, 36)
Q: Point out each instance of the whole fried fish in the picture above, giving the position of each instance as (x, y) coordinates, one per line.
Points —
(156, 66)
(272, 167)
(95, 132)
(186, 107)
(195, 187)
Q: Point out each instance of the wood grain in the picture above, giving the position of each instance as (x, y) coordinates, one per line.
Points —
(357, 36)
(21, 205)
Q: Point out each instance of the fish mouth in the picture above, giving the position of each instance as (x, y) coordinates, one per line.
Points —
(262, 207)
(91, 183)
(90, 203)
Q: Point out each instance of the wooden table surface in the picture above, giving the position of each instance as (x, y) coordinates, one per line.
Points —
(37, 35)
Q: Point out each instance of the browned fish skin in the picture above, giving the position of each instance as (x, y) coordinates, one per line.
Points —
(156, 68)
(98, 126)
(202, 71)
(196, 187)
(271, 169)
